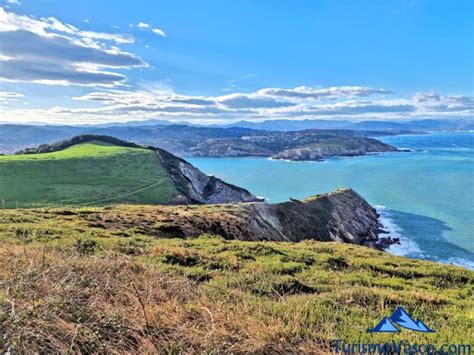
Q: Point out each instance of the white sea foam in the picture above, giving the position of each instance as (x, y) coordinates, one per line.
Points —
(410, 248)
(299, 161)
(407, 247)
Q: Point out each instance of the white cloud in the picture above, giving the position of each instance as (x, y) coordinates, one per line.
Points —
(159, 32)
(122, 106)
(251, 101)
(10, 21)
(129, 105)
(163, 103)
(433, 102)
(51, 52)
(307, 92)
(14, 2)
(146, 26)
(8, 95)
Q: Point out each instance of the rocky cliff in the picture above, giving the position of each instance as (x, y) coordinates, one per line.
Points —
(197, 187)
(342, 216)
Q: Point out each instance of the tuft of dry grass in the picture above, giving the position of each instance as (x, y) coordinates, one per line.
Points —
(80, 304)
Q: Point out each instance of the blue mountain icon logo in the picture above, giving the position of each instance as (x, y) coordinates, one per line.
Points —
(401, 318)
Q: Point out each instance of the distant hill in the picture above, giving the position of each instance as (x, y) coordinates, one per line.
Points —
(99, 170)
(181, 138)
(174, 138)
(185, 141)
(292, 125)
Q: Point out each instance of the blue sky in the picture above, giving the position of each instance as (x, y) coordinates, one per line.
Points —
(217, 61)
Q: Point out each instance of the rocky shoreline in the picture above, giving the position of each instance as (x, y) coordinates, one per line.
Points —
(348, 147)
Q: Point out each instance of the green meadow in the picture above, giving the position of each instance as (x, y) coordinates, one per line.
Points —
(89, 173)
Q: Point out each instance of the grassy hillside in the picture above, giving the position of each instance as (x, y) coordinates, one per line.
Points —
(89, 173)
(70, 286)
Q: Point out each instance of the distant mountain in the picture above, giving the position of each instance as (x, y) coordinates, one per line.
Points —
(137, 123)
(14, 137)
(292, 125)
(400, 127)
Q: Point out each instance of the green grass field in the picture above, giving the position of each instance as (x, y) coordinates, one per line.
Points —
(81, 286)
(90, 173)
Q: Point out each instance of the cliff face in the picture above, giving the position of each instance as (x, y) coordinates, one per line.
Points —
(335, 147)
(341, 216)
(197, 187)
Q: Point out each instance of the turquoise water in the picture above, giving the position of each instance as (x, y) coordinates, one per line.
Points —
(426, 197)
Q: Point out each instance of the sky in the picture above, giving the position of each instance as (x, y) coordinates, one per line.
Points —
(219, 61)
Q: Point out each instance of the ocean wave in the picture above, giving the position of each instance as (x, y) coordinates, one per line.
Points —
(410, 248)
(407, 247)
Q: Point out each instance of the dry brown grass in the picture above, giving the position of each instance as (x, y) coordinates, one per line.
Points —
(68, 287)
(60, 302)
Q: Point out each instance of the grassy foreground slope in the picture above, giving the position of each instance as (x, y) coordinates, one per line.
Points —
(69, 287)
(95, 172)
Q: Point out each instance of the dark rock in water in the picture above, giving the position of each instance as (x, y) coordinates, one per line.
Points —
(384, 243)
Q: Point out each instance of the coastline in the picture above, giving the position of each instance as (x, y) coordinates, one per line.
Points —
(416, 185)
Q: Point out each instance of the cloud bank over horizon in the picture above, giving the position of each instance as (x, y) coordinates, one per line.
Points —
(347, 102)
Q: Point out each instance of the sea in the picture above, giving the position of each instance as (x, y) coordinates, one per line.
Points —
(425, 196)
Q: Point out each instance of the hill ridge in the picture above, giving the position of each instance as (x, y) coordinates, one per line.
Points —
(76, 140)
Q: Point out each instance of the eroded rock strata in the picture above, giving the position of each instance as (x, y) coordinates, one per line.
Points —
(342, 216)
